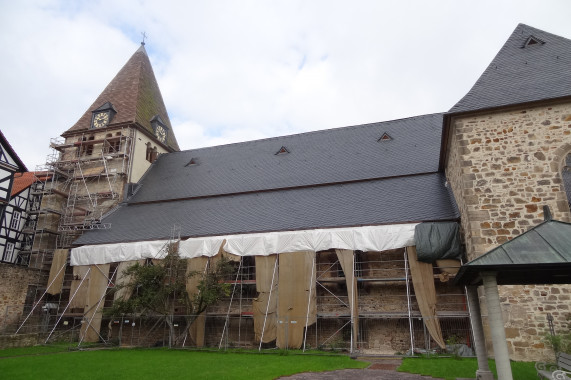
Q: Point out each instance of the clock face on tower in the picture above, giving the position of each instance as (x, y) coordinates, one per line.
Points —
(161, 133)
(101, 120)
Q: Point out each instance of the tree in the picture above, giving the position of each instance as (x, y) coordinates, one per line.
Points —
(157, 289)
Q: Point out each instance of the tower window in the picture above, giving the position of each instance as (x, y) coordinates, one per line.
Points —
(87, 148)
(152, 153)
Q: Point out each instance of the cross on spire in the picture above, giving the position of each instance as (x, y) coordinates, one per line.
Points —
(144, 37)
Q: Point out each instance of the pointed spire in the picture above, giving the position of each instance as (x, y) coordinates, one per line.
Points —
(533, 65)
(135, 95)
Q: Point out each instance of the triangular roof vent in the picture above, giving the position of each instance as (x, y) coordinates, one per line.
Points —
(531, 40)
(283, 150)
(193, 162)
(384, 137)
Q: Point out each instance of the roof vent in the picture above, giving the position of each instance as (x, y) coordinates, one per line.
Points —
(531, 40)
(283, 150)
(384, 137)
(193, 162)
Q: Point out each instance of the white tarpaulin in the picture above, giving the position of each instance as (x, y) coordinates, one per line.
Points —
(112, 253)
(369, 238)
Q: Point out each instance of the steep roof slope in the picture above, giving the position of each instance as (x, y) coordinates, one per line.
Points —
(532, 65)
(135, 95)
(354, 153)
(335, 178)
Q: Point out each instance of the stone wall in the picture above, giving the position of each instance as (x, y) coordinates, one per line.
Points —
(503, 167)
(13, 297)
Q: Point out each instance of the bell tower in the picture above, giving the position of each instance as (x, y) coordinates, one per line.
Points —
(93, 163)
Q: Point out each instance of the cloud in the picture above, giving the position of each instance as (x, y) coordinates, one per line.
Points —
(233, 71)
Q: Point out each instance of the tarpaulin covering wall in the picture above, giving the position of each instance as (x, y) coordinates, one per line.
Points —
(346, 258)
(297, 301)
(425, 291)
(57, 271)
(98, 281)
(79, 294)
(197, 265)
(266, 286)
(435, 241)
(369, 238)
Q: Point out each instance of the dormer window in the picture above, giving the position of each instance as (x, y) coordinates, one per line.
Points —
(282, 150)
(102, 116)
(159, 128)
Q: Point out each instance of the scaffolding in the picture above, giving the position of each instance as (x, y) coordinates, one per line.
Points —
(388, 316)
(386, 321)
(82, 179)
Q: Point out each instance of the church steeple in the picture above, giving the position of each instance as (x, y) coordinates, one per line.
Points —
(136, 100)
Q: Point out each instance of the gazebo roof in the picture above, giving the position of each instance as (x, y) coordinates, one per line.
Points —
(541, 255)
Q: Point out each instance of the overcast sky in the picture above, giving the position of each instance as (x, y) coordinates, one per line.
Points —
(233, 71)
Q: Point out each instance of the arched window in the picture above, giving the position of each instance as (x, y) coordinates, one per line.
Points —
(149, 152)
(154, 154)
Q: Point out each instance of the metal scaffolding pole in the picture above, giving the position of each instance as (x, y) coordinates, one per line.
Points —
(408, 300)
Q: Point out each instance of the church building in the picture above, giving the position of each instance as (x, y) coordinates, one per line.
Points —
(347, 238)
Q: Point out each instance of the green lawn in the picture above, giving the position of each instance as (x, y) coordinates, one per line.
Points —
(58, 362)
(450, 368)
(161, 363)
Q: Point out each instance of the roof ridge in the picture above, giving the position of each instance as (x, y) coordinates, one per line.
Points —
(327, 130)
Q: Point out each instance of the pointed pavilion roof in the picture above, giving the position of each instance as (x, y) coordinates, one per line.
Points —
(135, 95)
(532, 65)
(542, 255)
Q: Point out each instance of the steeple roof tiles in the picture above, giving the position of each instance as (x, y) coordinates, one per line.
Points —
(522, 73)
(135, 95)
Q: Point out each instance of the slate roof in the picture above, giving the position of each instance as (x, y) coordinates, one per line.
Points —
(521, 74)
(385, 201)
(329, 156)
(335, 178)
(135, 95)
(542, 255)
